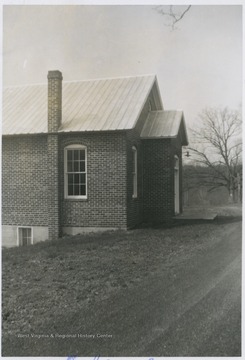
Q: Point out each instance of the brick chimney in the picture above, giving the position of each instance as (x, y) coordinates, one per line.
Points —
(54, 100)
(54, 122)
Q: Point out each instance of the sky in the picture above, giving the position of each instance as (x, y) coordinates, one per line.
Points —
(198, 65)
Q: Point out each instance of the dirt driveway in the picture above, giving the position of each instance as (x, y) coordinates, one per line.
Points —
(147, 292)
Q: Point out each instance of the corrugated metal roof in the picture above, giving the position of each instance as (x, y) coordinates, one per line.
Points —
(164, 124)
(105, 104)
(25, 110)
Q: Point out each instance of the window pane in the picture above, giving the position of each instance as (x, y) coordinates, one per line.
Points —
(70, 179)
(76, 172)
(28, 232)
(82, 165)
(134, 160)
(70, 190)
(24, 236)
(76, 179)
(76, 164)
(76, 153)
(69, 155)
(82, 189)
(76, 190)
(24, 232)
(82, 154)
(82, 178)
(69, 166)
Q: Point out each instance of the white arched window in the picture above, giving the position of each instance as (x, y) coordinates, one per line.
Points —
(134, 151)
(176, 185)
(75, 177)
(176, 162)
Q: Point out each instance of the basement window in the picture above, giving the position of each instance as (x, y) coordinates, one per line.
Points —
(134, 172)
(24, 236)
(75, 177)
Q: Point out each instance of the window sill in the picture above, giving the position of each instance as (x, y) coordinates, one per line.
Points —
(76, 199)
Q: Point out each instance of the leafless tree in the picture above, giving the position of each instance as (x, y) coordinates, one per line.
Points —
(172, 13)
(218, 146)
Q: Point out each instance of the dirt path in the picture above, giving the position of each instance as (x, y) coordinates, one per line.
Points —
(151, 293)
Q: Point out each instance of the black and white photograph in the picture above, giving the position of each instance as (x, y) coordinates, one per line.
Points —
(122, 179)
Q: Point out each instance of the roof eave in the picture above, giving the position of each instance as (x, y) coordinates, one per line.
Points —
(26, 134)
(158, 137)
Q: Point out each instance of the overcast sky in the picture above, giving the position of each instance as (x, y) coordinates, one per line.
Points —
(197, 65)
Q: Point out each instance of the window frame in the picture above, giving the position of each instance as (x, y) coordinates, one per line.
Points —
(75, 197)
(176, 162)
(19, 235)
(135, 172)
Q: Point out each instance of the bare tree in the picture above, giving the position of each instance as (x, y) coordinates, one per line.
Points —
(172, 13)
(218, 146)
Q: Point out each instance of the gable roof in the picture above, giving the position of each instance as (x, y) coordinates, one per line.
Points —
(92, 105)
(165, 124)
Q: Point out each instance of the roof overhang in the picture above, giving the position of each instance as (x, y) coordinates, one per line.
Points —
(165, 125)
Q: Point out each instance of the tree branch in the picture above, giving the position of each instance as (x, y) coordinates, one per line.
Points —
(218, 145)
(174, 16)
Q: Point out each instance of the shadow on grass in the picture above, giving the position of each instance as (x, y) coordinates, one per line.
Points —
(227, 219)
(218, 220)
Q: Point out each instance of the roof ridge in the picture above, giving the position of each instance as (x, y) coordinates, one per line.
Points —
(173, 110)
(167, 110)
(79, 81)
(111, 78)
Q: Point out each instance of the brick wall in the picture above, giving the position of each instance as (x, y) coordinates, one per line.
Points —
(53, 187)
(135, 205)
(24, 181)
(33, 196)
(158, 187)
(105, 205)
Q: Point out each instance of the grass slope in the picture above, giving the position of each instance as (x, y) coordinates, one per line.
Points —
(48, 279)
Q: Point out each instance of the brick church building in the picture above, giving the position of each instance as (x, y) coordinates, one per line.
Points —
(88, 155)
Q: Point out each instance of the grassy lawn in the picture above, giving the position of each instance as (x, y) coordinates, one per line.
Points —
(46, 280)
